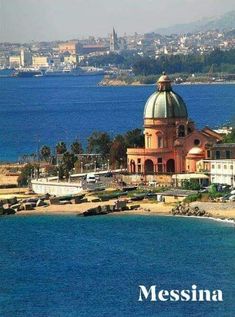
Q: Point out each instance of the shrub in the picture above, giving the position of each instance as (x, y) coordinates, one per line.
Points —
(193, 197)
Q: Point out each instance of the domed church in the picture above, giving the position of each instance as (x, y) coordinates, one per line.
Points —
(172, 143)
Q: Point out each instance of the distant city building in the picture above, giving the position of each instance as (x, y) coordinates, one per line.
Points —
(26, 58)
(4, 61)
(71, 47)
(71, 59)
(15, 61)
(54, 60)
(40, 61)
(87, 49)
(113, 41)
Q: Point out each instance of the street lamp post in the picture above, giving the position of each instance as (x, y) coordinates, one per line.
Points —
(121, 164)
(81, 167)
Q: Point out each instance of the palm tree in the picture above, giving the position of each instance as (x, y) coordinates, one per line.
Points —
(76, 147)
(61, 148)
(45, 153)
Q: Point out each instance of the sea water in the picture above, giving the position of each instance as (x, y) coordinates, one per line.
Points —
(68, 266)
(38, 111)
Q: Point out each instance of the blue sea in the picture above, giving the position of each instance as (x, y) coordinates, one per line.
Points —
(38, 111)
(68, 266)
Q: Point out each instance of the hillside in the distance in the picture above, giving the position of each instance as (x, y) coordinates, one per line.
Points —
(224, 22)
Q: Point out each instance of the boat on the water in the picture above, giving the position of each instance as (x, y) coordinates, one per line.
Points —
(73, 71)
(55, 71)
(27, 73)
(91, 71)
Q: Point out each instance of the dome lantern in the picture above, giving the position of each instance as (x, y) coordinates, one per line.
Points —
(164, 83)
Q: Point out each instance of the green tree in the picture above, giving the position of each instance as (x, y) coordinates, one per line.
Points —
(134, 138)
(61, 148)
(230, 138)
(191, 185)
(100, 143)
(27, 171)
(76, 147)
(67, 163)
(45, 153)
(118, 151)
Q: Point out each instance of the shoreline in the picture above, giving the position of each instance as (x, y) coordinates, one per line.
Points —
(220, 214)
(126, 213)
(122, 83)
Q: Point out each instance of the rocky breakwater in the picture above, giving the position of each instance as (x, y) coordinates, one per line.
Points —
(186, 210)
(13, 205)
(119, 205)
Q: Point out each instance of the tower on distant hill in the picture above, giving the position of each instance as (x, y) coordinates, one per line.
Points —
(113, 41)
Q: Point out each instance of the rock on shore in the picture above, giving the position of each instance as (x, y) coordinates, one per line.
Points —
(182, 209)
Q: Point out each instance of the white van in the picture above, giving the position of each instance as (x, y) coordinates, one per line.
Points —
(90, 178)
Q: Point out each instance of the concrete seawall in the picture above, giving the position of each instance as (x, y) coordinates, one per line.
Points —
(55, 188)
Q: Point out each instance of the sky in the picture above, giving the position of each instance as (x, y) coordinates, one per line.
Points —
(47, 20)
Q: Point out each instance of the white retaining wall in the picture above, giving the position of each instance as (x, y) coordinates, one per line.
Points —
(55, 188)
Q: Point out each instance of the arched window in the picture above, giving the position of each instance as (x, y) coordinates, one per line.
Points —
(132, 167)
(170, 166)
(148, 165)
(181, 131)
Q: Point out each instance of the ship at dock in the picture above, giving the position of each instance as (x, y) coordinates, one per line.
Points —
(74, 71)
(53, 71)
(27, 73)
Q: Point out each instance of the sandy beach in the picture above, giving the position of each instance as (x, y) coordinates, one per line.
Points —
(216, 210)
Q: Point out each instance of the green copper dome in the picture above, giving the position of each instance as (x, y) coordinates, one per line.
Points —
(165, 103)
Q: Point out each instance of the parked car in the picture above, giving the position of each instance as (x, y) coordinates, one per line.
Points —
(109, 174)
(90, 178)
(97, 177)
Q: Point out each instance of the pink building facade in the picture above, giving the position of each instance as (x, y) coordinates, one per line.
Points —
(172, 143)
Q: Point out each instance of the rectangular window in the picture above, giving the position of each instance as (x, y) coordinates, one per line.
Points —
(208, 153)
(159, 165)
(148, 141)
(160, 141)
(217, 155)
(228, 154)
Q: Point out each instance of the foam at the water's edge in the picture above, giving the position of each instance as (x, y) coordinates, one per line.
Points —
(227, 220)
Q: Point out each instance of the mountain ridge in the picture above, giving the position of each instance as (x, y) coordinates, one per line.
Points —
(221, 23)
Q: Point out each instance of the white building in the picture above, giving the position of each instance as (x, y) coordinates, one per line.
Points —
(25, 58)
(221, 171)
(15, 61)
(40, 61)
